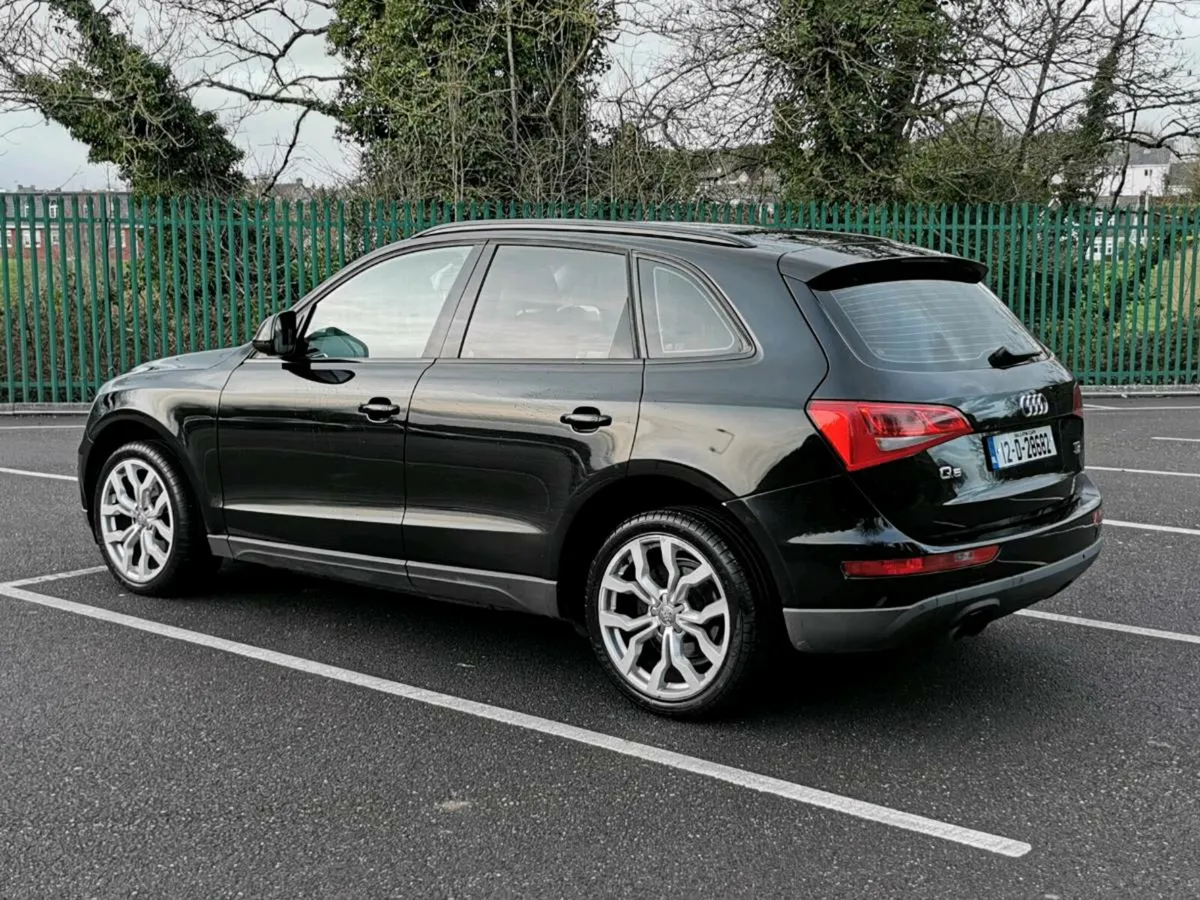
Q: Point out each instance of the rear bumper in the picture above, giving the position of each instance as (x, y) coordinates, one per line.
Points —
(806, 532)
(844, 630)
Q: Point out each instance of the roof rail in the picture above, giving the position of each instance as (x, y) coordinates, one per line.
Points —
(700, 232)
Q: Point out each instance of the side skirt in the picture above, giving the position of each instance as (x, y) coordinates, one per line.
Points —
(478, 587)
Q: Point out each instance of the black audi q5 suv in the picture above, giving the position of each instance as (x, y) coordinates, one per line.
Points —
(690, 440)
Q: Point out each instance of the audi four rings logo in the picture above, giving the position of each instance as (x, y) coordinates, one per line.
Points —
(1034, 404)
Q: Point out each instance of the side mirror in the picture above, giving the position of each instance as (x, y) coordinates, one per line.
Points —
(276, 336)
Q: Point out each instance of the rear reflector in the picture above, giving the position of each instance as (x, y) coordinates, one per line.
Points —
(1077, 405)
(866, 434)
(920, 565)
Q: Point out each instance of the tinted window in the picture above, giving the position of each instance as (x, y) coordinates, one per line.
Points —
(682, 318)
(926, 324)
(387, 311)
(552, 303)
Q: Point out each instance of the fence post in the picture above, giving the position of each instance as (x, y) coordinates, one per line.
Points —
(248, 300)
(1118, 297)
(6, 305)
(274, 254)
(261, 276)
(35, 293)
(232, 260)
(205, 321)
(218, 272)
(1192, 271)
(1163, 257)
(176, 286)
(1056, 280)
(133, 322)
(190, 254)
(65, 293)
(164, 336)
(52, 312)
(119, 266)
(287, 253)
(1174, 325)
(341, 226)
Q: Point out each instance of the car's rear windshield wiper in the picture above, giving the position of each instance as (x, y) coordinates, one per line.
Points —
(1003, 358)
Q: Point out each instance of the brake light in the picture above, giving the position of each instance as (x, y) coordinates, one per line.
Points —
(1077, 403)
(865, 434)
(920, 565)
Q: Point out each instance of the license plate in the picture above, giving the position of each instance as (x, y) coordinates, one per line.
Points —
(1019, 447)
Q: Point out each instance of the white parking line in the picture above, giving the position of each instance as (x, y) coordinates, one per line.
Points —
(29, 474)
(1111, 626)
(1144, 472)
(1122, 409)
(1182, 440)
(1169, 529)
(57, 576)
(37, 427)
(647, 753)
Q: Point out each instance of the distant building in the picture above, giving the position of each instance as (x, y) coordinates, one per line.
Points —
(1183, 178)
(739, 176)
(283, 190)
(1149, 175)
(1140, 176)
(49, 224)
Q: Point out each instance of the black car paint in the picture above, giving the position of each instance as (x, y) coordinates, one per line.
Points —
(484, 479)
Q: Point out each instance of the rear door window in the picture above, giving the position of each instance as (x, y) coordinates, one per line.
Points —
(925, 324)
(552, 303)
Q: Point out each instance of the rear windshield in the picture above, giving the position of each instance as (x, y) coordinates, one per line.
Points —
(926, 325)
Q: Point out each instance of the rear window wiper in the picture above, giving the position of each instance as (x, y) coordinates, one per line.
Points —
(1003, 358)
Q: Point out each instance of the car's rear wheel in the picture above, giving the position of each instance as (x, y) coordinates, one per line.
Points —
(672, 613)
(147, 524)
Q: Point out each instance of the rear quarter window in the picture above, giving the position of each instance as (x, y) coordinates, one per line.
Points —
(925, 325)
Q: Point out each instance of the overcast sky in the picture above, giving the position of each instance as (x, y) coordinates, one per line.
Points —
(42, 155)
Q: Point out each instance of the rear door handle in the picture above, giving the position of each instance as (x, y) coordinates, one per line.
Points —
(379, 409)
(586, 418)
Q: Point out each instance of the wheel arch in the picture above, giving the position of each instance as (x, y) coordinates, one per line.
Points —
(122, 428)
(646, 488)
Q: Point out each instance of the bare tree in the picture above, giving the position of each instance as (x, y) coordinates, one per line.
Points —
(1031, 67)
(1036, 62)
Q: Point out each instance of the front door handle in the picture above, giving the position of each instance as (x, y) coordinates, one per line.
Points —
(586, 418)
(379, 409)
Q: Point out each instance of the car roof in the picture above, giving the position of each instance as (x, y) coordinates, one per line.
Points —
(805, 254)
(699, 232)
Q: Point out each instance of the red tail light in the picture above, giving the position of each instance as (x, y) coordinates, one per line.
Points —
(920, 565)
(866, 434)
(1077, 406)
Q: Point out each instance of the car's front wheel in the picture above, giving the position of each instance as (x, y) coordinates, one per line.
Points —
(672, 613)
(147, 524)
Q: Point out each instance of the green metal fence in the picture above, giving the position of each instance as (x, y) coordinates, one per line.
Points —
(92, 285)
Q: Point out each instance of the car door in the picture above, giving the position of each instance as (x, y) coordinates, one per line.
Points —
(311, 450)
(533, 405)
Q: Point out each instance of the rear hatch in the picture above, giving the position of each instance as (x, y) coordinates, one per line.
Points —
(951, 417)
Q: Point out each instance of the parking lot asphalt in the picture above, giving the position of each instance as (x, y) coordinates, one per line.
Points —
(137, 760)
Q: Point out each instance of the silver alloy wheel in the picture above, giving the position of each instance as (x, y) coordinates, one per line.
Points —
(136, 525)
(664, 616)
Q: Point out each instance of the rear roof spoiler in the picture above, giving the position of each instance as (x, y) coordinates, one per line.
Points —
(899, 268)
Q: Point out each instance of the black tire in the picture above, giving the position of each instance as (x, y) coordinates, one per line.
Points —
(746, 649)
(189, 565)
